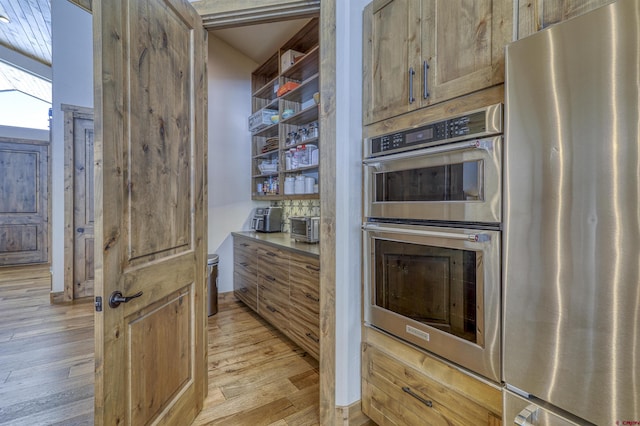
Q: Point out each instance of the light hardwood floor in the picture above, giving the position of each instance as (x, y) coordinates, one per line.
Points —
(256, 375)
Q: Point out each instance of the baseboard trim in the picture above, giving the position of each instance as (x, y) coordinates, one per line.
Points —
(352, 415)
(57, 297)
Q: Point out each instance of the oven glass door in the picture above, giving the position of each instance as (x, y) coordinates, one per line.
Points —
(438, 288)
(454, 182)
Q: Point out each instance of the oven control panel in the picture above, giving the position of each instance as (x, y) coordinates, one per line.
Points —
(475, 124)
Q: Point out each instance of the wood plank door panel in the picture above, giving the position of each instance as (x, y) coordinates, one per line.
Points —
(24, 176)
(150, 217)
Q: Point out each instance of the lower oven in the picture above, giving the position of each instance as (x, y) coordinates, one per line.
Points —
(437, 288)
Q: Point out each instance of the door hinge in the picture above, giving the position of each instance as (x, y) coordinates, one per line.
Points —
(98, 304)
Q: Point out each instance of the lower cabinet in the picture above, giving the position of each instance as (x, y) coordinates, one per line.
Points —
(304, 318)
(245, 278)
(282, 286)
(401, 385)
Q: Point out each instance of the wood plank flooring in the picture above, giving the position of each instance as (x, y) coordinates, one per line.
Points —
(256, 375)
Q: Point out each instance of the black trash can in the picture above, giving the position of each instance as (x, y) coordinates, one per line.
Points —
(212, 284)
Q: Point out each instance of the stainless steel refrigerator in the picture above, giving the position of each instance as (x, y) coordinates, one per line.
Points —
(571, 254)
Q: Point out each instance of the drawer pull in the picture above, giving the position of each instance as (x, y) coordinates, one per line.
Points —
(272, 309)
(418, 397)
(313, 268)
(271, 254)
(312, 337)
(244, 289)
(244, 244)
(312, 297)
(270, 278)
(245, 264)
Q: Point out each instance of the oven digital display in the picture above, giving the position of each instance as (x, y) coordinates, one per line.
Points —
(420, 136)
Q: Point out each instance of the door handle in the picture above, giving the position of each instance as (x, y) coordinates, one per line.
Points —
(411, 74)
(117, 298)
(425, 82)
(527, 417)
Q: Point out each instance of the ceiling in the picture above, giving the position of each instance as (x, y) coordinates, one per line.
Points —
(29, 33)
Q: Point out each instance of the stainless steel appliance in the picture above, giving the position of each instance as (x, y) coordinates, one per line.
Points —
(438, 288)
(267, 219)
(449, 170)
(571, 222)
(305, 228)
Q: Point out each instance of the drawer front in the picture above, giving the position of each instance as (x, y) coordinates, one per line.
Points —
(273, 263)
(398, 393)
(303, 332)
(245, 287)
(273, 301)
(243, 246)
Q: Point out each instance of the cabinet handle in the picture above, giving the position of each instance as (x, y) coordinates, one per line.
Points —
(312, 337)
(244, 244)
(411, 74)
(425, 83)
(245, 264)
(270, 278)
(312, 297)
(418, 397)
(272, 309)
(271, 254)
(244, 289)
(313, 268)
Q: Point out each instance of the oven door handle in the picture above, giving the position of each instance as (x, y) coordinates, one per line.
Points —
(474, 238)
(484, 144)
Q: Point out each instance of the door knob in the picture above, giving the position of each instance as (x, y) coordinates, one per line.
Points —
(117, 298)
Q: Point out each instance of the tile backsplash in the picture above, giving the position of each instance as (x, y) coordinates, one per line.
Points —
(297, 208)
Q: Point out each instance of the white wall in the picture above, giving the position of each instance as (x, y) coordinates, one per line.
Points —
(230, 202)
(72, 50)
(348, 196)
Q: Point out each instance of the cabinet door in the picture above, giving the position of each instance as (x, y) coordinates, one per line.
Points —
(245, 277)
(273, 286)
(536, 15)
(392, 46)
(304, 318)
(463, 44)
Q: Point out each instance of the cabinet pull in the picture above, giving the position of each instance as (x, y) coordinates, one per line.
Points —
(418, 397)
(271, 254)
(313, 268)
(312, 297)
(272, 309)
(245, 264)
(244, 289)
(425, 84)
(270, 278)
(411, 74)
(312, 337)
(244, 244)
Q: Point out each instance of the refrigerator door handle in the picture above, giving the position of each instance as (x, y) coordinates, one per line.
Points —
(527, 416)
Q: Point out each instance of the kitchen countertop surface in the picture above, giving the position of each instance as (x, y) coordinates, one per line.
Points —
(282, 239)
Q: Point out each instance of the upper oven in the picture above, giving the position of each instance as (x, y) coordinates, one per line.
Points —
(445, 171)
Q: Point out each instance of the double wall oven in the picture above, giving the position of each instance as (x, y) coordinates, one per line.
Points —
(432, 196)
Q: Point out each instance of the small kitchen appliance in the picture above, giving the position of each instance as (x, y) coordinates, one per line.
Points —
(305, 228)
(267, 219)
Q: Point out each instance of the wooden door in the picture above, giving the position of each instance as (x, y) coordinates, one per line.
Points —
(150, 218)
(83, 217)
(463, 42)
(24, 195)
(391, 60)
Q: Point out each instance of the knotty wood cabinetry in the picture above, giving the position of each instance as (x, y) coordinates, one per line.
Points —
(245, 278)
(304, 293)
(421, 52)
(282, 285)
(401, 385)
(272, 143)
(535, 15)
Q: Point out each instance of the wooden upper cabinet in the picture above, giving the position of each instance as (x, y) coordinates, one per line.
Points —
(421, 52)
(391, 48)
(535, 15)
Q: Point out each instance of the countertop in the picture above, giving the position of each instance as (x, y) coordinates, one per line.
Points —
(282, 239)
